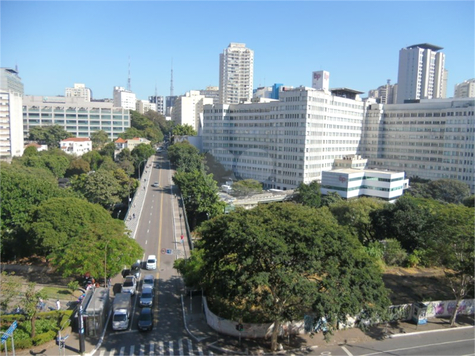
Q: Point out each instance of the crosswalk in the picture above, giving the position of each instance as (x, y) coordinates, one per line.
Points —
(181, 347)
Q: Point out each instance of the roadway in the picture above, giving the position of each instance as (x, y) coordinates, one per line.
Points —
(158, 231)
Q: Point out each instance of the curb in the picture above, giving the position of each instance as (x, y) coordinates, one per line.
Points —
(429, 331)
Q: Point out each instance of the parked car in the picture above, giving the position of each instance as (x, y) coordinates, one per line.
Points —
(129, 285)
(146, 298)
(151, 262)
(135, 270)
(148, 281)
(145, 319)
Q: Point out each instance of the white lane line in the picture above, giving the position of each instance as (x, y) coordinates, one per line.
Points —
(417, 347)
(346, 350)
(132, 349)
(146, 241)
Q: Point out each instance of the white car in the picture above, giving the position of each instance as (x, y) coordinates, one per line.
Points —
(156, 185)
(151, 262)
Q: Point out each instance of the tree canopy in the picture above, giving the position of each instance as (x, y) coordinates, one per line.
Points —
(281, 261)
(445, 190)
(48, 135)
(185, 156)
(184, 130)
(246, 187)
(75, 234)
(309, 194)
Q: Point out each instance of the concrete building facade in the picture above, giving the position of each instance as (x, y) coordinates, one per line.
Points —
(421, 73)
(188, 109)
(432, 139)
(465, 89)
(78, 117)
(159, 102)
(78, 91)
(76, 145)
(124, 98)
(11, 117)
(142, 106)
(283, 143)
(236, 74)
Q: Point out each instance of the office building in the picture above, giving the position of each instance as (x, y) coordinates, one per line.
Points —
(321, 80)
(142, 106)
(271, 92)
(79, 91)
(78, 117)
(465, 89)
(385, 94)
(431, 139)
(211, 92)
(169, 104)
(159, 102)
(188, 109)
(11, 118)
(124, 98)
(236, 73)
(283, 143)
(421, 73)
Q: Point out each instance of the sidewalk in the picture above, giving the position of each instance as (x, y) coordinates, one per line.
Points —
(198, 329)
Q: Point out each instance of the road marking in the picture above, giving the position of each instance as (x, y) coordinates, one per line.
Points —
(346, 350)
(190, 348)
(160, 348)
(417, 347)
(142, 350)
(121, 351)
(200, 350)
(180, 347)
(152, 349)
(132, 349)
(146, 241)
(148, 230)
(170, 348)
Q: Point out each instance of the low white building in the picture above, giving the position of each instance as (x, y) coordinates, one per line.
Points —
(76, 145)
(351, 183)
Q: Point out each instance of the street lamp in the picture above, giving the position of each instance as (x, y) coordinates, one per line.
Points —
(105, 264)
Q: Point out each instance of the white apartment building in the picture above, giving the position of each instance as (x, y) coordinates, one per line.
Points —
(421, 73)
(159, 103)
(385, 94)
(465, 89)
(124, 98)
(78, 117)
(431, 139)
(79, 91)
(352, 183)
(142, 106)
(11, 118)
(211, 92)
(283, 143)
(236, 73)
(188, 109)
(76, 145)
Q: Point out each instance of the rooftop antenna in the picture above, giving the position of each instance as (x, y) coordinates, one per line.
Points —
(171, 81)
(129, 85)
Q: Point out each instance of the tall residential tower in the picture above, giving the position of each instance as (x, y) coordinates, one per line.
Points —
(236, 71)
(421, 73)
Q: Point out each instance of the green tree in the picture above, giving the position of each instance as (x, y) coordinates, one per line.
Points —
(108, 150)
(48, 135)
(331, 198)
(184, 130)
(469, 201)
(214, 167)
(99, 139)
(448, 190)
(77, 236)
(94, 159)
(29, 303)
(22, 188)
(309, 194)
(246, 187)
(185, 156)
(53, 159)
(100, 187)
(356, 216)
(199, 193)
(9, 283)
(142, 152)
(77, 166)
(284, 260)
(30, 151)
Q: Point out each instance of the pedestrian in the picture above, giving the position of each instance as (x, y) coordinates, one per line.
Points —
(108, 283)
(133, 215)
(58, 304)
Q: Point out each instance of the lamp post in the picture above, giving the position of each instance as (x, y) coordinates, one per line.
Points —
(105, 264)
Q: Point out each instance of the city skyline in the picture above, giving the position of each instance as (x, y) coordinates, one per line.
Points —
(57, 44)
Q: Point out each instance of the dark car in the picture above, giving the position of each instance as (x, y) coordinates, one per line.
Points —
(145, 319)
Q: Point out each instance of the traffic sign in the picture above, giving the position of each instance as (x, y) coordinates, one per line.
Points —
(169, 251)
(163, 251)
(9, 332)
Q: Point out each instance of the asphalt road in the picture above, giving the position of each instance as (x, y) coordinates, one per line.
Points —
(158, 232)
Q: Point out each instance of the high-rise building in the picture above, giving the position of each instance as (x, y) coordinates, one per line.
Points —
(421, 73)
(142, 106)
(124, 98)
(188, 109)
(432, 139)
(211, 92)
(159, 102)
(169, 104)
(385, 94)
(78, 117)
(79, 91)
(236, 73)
(11, 115)
(465, 89)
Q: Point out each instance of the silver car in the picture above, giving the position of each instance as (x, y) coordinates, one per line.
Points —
(146, 299)
(129, 285)
(148, 281)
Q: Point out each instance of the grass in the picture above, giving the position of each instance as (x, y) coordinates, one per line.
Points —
(58, 293)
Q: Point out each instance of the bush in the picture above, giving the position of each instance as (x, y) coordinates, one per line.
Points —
(394, 254)
(19, 344)
(40, 339)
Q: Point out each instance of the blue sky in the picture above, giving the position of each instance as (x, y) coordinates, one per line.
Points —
(59, 43)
